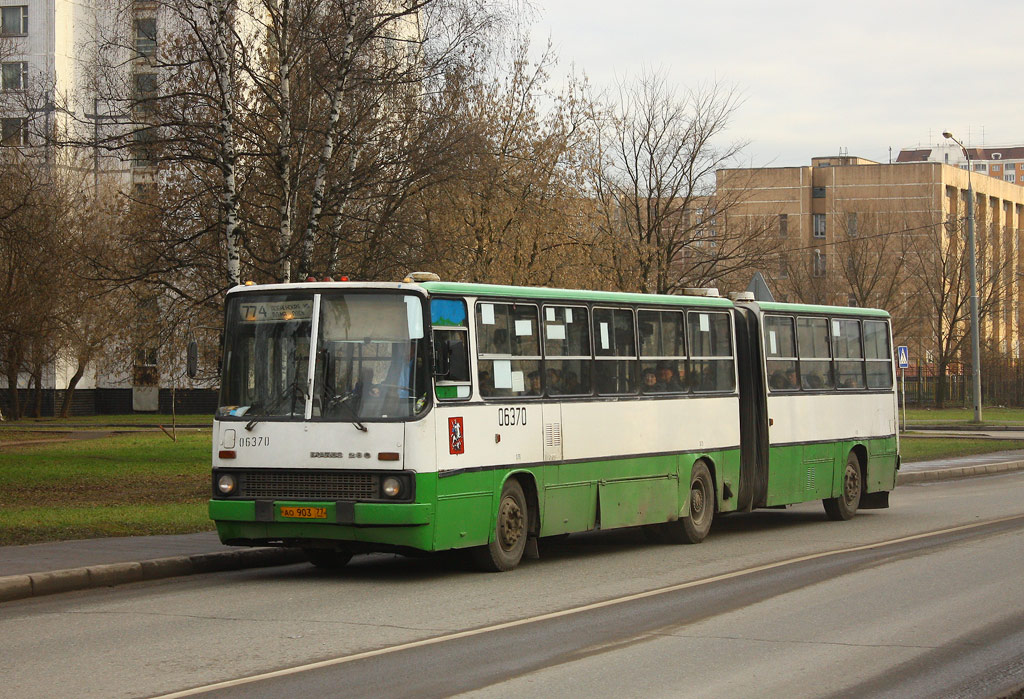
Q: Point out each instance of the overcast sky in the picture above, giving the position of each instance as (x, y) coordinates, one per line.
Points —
(815, 76)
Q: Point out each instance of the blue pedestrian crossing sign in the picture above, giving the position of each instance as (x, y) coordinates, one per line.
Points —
(902, 357)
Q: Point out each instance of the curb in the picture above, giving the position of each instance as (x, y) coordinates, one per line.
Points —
(965, 427)
(945, 474)
(14, 587)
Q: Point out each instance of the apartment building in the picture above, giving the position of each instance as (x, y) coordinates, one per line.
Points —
(856, 232)
(1001, 162)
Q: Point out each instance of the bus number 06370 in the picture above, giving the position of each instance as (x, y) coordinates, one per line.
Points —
(511, 417)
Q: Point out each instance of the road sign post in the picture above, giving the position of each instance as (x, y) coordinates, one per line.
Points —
(903, 360)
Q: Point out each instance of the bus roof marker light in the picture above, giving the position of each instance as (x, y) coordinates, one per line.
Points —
(250, 282)
(420, 277)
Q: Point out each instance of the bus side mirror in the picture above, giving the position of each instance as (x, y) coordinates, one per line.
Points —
(192, 359)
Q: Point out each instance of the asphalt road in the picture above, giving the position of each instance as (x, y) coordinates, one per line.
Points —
(775, 602)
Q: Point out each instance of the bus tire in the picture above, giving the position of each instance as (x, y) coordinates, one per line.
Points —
(692, 528)
(328, 559)
(510, 531)
(845, 506)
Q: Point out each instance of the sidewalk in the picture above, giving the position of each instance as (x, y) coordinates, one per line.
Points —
(63, 566)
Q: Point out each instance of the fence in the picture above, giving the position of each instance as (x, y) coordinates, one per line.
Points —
(1002, 383)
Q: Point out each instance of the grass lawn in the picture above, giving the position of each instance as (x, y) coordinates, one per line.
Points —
(928, 448)
(990, 416)
(142, 419)
(115, 485)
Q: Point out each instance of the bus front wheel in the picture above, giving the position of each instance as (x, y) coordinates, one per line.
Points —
(692, 528)
(845, 506)
(510, 531)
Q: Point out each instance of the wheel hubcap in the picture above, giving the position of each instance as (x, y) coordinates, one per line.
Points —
(698, 499)
(510, 524)
(851, 484)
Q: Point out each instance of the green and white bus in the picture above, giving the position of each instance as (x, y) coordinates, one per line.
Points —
(428, 415)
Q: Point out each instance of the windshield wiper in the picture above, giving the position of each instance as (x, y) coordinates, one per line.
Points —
(293, 390)
(343, 400)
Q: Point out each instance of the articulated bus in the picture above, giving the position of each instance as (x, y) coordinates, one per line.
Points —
(427, 415)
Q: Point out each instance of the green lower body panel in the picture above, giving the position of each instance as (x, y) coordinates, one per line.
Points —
(459, 510)
(803, 472)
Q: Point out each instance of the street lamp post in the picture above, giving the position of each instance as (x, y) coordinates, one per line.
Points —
(975, 333)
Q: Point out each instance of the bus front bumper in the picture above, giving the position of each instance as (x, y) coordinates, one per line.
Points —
(264, 522)
(358, 514)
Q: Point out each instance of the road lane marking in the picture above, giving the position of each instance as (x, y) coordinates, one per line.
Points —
(573, 610)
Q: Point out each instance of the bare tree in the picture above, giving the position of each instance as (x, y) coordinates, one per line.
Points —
(939, 267)
(653, 175)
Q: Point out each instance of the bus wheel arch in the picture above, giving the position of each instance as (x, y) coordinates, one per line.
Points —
(844, 505)
(511, 529)
(693, 527)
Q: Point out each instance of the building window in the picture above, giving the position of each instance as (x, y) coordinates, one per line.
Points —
(145, 36)
(14, 76)
(818, 261)
(819, 225)
(145, 92)
(14, 131)
(980, 167)
(818, 192)
(783, 225)
(1010, 177)
(14, 20)
(143, 147)
(783, 267)
(851, 224)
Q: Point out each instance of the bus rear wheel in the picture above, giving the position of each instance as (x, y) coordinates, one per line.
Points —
(510, 531)
(692, 528)
(845, 506)
(326, 559)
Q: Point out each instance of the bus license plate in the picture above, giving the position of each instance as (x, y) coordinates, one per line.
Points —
(304, 512)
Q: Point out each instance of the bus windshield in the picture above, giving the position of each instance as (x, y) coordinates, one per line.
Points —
(370, 357)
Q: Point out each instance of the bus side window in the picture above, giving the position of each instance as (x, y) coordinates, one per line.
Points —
(815, 357)
(712, 367)
(663, 366)
(508, 351)
(780, 353)
(876, 352)
(615, 347)
(848, 353)
(450, 329)
(567, 358)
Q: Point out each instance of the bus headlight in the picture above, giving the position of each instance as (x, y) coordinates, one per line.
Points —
(391, 487)
(226, 484)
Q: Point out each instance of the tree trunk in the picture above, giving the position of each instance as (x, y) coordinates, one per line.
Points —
(940, 385)
(65, 405)
(14, 404)
(37, 378)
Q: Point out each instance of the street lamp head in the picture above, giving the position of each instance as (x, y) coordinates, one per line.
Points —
(947, 134)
